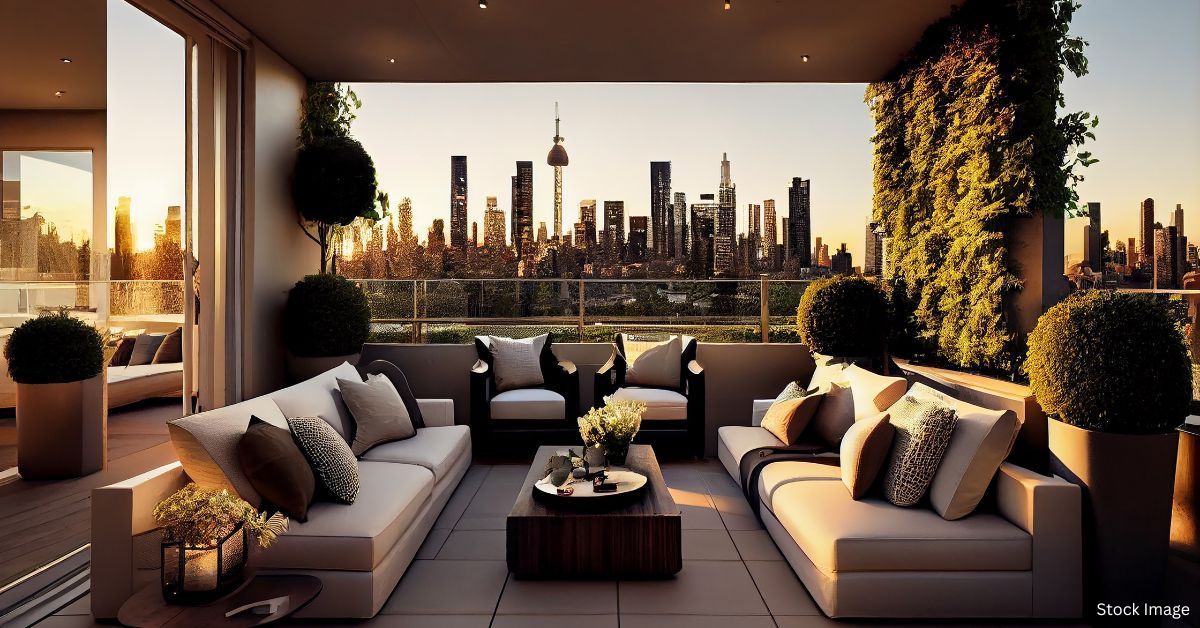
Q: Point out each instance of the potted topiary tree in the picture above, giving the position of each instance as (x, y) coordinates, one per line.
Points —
(57, 362)
(845, 317)
(326, 321)
(1112, 371)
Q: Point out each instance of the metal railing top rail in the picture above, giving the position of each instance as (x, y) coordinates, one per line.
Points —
(746, 280)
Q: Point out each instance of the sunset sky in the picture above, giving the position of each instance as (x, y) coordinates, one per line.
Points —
(1144, 84)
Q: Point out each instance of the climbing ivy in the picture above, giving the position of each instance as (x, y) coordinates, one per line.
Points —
(967, 139)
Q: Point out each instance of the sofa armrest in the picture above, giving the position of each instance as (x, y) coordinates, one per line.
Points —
(759, 410)
(1049, 509)
(120, 512)
(437, 412)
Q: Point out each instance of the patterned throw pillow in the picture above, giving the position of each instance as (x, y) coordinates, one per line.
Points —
(517, 363)
(792, 391)
(328, 455)
(923, 431)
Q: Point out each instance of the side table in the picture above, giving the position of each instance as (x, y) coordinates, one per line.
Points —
(147, 608)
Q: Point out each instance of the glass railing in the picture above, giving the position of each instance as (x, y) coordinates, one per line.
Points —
(105, 303)
(582, 310)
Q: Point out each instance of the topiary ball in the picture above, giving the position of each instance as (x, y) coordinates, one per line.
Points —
(334, 181)
(1111, 362)
(54, 348)
(326, 316)
(844, 316)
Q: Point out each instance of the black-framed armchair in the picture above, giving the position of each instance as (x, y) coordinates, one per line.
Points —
(522, 411)
(644, 369)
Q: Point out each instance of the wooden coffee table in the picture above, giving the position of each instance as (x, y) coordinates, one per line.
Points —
(637, 539)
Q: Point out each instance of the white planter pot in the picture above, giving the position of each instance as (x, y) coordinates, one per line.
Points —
(62, 429)
(298, 369)
(1127, 483)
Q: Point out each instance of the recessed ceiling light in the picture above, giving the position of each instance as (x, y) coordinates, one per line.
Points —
(728, 4)
(391, 60)
(65, 59)
(59, 94)
(803, 58)
(483, 4)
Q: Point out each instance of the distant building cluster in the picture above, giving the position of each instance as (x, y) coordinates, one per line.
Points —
(1161, 256)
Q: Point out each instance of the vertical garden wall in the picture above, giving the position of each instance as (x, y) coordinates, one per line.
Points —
(968, 140)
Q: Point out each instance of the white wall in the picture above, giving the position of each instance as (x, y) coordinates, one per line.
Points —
(277, 253)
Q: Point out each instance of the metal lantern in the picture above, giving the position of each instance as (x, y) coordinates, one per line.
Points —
(198, 575)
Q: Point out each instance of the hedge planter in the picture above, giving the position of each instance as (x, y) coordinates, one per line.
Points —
(298, 369)
(1127, 482)
(61, 429)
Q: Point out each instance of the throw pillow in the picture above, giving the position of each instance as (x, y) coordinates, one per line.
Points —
(277, 468)
(144, 348)
(329, 456)
(873, 393)
(517, 363)
(121, 356)
(393, 372)
(835, 414)
(171, 348)
(827, 373)
(379, 412)
(923, 432)
(792, 391)
(982, 439)
(864, 451)
(786, 420)
(656, 365)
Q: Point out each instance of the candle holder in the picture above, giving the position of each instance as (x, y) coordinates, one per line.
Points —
(194, 575)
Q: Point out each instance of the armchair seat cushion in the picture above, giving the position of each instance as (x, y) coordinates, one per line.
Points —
(528, 403)
(435, 448)
(661, 404)
(839, 534)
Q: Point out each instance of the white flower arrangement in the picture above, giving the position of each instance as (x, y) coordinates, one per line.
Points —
(616, 422)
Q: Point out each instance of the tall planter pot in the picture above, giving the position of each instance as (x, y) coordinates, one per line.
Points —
(61, 429)
(298, 369)
(1127, 483)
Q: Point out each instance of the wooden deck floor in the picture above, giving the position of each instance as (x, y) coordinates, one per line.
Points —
(42, 521)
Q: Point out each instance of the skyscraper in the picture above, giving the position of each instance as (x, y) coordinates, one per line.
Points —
(542, 236)
(557, 158)
(661, 211)
(637, 238)
(1091, 244)
(614, 219)
(770, 233)
(799, 221)
(474, 234)
(1166, 265)
(703, 232)
(522, 208)
(493, 224)
(841, 263)
(122, 259)
(679, 230)
(787, 239)
(873, 256)
(458, 202)
(587, 218)
(1178, 218)
(725, 236)
(1147, 249)
(173, 227)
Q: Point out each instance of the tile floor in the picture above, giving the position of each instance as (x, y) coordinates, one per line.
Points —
(732, 576)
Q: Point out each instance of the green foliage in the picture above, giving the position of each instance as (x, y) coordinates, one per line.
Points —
(328, 111)
(326, 315)
(968, 139)
(844, 316)
(1112, 362)
(54, 348)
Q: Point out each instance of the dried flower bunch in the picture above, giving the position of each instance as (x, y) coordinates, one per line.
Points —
(198, 517)
(616, 421)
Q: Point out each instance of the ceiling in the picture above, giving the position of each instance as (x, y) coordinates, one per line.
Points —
(590, 40)
(36, 34)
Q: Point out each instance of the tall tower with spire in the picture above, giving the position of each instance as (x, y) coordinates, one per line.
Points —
(557, 158)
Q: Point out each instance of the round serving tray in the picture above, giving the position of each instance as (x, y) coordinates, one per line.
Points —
(630, 484)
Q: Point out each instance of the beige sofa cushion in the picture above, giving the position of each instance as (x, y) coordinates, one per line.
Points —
(982, 439)
(357, 536)
(206, 444)
(873, 393)
(320, 396)
(661, 404)
(840, 534)
(735, 441)
(528, 403)
(435, 448)
(784, 472)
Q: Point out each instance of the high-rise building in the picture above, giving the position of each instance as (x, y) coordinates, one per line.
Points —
(1147, 250)
(587, 217)
(542, 236)
(770, 233)
(703, 231)
(787, 239)
(1178, 222)
(493, 224)
(841, 262)
(754, 229)
(458, 202)
(816, 252)
(638, 226)
(557, 157)
(679, 230)
(173, 226)
(522, 208)
(614, 218)
(1091, 243)
(474, 234)
(123, 247)
(1131, 256)
(662, 217)
(1166, 266)
(725, 236)
(581, 235)
(799, 221)
(873, 255)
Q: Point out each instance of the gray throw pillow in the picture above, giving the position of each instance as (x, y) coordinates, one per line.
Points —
(144, 348)
(518, 363)
(923, 431)
(380, 415)
(329, 456)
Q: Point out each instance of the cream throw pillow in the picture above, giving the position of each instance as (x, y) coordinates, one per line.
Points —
(873, 393)
(923, 431)
(656, 365)
(380, 415)
(786, 420)
(864, 451)
(981, 441)
(518, 363)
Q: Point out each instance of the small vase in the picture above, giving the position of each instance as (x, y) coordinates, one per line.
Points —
(616, 453)
(594, 457)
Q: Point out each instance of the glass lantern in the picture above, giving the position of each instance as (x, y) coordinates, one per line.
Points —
(198, 575)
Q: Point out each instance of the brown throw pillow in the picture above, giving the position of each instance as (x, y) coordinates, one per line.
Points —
(787, 419)
(835, 415)
(380, 415)
(124, 349)
(144, 348)
(171, 349)
(276, 468)
(864, 451)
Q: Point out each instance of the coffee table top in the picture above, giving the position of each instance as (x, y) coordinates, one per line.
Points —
(655, 500)
(147, 607)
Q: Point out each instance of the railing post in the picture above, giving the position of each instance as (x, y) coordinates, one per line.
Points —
(581, 310)
(764, 306)
(416, 330)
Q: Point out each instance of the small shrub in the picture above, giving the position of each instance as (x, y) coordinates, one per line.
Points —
(844, 316)
(326, 315)
(54, 348)
(1111, 362)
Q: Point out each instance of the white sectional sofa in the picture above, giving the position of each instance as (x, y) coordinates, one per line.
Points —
(1018, 555)
(359, 551)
